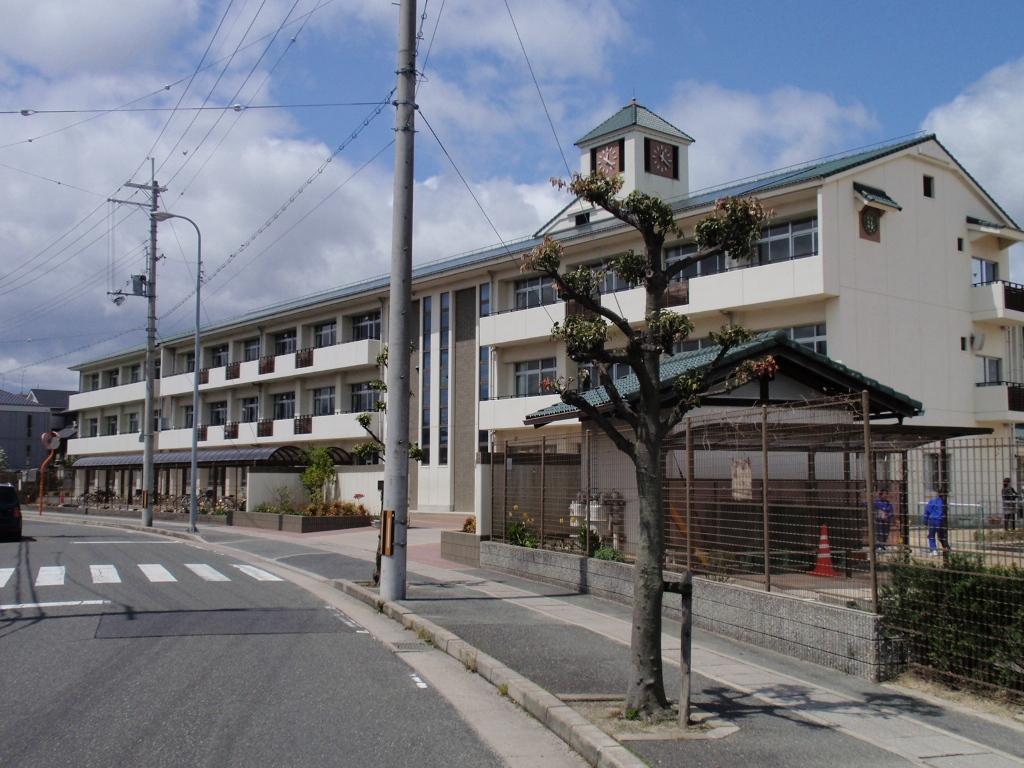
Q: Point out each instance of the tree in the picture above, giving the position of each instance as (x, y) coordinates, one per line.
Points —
(319, 471)
(638, 427)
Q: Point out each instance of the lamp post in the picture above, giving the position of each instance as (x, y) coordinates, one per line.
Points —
(193, 512)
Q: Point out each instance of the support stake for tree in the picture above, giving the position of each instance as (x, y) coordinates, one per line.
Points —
(685, 648)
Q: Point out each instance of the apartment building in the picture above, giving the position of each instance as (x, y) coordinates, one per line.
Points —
(891, 259)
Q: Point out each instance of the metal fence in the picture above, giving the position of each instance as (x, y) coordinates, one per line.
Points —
(814, 501)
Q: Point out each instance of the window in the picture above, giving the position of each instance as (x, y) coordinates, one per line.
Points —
(186, 413)
(366, 326)
(810, 336)
(983, 271)
(250, 409)
(960, 244)
(156, 368)
(443, 378)
(284, 342)
(135, 373)
(92, 428)
(373, 458)
(251, 350)
(364, 397)
(531, 373)
(589, 376)
(990, 370)
(789, 240)
(534, 292)
(611, 282)
(110, 425)
(325, 334)
(582, 218)
(133, 423)
(485, 373)
(936, 472)
(219, 413)
(94, 381)
(219, 356)
(709, 266)
(485, 299)
(425, 387)
(284, 405)
(690, 345)
(28, 425)
(190, 362)
(929, 186)
(323, 401)
(112, 377)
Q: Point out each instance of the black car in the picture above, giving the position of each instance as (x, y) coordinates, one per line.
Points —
(10, 512)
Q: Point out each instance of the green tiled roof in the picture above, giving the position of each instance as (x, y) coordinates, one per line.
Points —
(630, 115)
(875, 195)
(984, 223)
(695, 360)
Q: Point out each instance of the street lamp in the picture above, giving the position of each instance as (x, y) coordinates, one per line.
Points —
(193, 512)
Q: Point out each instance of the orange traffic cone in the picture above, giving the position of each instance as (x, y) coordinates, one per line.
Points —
(823, 565)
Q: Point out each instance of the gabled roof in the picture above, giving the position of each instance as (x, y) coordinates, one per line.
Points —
(53, 398)
(630, 115)
(875, 195)
(826, 373)
(10, 398)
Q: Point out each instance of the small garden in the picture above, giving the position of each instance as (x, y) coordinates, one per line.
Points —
(523, 533)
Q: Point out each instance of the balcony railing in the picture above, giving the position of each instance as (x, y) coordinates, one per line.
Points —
(232, 370)
(204, 375)
(267, 364)
(677, 293)
(265, 428)
(1014, 393)
(201, 432)
(1013, 294)
(304, 358)
(303, 425)
(231, 430)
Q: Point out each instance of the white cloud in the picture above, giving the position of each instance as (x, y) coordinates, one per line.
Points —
(739, 133)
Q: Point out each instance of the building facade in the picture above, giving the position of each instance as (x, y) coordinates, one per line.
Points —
(892, 260)
(24, 417)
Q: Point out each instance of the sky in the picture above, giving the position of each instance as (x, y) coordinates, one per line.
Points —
(758, 85)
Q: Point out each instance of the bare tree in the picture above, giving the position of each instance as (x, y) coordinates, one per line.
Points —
(637, 426)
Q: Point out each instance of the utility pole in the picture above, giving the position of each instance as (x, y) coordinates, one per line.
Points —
(147, 419)
(396, 439)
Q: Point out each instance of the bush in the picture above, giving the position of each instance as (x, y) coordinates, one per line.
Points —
(469, 525)
(609, 553)
(589, 544)
(963, 620)
(520, 534)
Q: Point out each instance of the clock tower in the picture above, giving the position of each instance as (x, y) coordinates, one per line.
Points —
(646, 149)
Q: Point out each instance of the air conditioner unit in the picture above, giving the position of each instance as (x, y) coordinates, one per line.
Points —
(977, 342)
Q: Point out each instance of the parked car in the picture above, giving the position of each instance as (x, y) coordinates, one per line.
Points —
(10, 512)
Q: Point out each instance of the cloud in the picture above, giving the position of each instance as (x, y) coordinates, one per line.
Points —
(740, 133)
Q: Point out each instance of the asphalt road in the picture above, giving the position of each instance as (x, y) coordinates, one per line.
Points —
(119, 648)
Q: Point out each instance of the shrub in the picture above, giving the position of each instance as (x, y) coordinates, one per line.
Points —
(319, 471)
(962, 620)
(266, 507)
(469, 525)
(521, 535)
(609, 553)
(589, 543)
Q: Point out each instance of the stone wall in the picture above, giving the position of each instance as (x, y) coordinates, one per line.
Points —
(838, 638)
(460, 547)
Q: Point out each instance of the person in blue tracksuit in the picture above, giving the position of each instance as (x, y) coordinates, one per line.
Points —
(883, 519)
(935, 519)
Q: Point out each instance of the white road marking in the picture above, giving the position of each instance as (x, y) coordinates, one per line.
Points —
(362, 632)
(104, 574)
(156, 572)
(5, 576)
(64, 604)
(418, 680)
(128, 541)
(50, 576)
(257, 573)
(206, 572)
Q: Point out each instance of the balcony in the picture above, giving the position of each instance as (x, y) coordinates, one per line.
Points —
(508, 413)
(520, 326)
(201, 433)
(303, 425)
(267, 364)
(84, 446)
(232, 371)
(231, 431)
(204, 376)
(98, 398)
(999, 401)
(304, 358)
(265, 428)
(1000, 301)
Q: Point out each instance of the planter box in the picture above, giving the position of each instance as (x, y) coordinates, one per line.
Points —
(299, 523)
(461, 547)
(136, 514)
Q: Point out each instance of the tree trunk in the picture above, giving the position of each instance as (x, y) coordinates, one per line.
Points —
(645, 693)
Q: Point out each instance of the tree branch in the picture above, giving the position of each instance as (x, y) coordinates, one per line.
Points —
(589, 303)
(580, 403)
(676, 267)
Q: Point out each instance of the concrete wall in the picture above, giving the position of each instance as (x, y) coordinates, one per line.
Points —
(838, 638)
(360, 479)
(263, 488)
(462, 393)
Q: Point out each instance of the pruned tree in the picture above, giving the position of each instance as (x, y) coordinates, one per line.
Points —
(638, 426)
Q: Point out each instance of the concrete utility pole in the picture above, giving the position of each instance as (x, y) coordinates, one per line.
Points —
(396, 439)
(147, 418)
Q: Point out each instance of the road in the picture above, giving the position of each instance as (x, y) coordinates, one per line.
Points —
(130, 649)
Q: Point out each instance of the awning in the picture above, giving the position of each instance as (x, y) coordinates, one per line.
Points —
(281, 455)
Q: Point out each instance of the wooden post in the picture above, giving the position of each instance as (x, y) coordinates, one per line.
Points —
(869, 493)
(689, 493)
(504, 495)
(586, 536)
(490, 507)
(764, 500)
(685, 648)
(543, 488)
(904, 505)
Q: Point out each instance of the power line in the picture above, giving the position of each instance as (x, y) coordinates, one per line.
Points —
(430, 45)
(33, 339)
(52, 181)
(60, 355)
(224, 108)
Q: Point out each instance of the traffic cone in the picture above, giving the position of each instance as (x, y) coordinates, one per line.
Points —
(823, 565)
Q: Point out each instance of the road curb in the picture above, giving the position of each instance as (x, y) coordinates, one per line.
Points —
(593, 745)
(70, 518)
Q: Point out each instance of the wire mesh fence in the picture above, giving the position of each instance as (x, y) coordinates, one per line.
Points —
(814, 501)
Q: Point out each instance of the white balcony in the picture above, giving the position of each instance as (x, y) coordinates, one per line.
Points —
(510, 412)
(100, 398)
(1000, 402)
(998, 301)
(521, 325)
(87, 446)
(786, 282)
(630, 304)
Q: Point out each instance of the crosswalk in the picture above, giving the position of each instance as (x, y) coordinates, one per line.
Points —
(157, 573)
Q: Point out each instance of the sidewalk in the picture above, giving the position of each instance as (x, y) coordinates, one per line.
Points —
(789, 713)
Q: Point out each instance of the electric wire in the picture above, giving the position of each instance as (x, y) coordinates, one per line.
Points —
(59, 355)
(58, 182)
(224, 108)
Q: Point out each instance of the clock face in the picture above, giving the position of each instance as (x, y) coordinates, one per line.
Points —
(607, 159)
(869, 220)
(661, 160)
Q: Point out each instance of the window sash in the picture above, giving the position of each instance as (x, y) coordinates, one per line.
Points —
(284, 405)
(529, 374)
(325, 334)
(983, 271)
(251, 350)
(364, 398)
(323, 401)
(284, 343)
(366, 326)
(218, 413)
(788, 240)
(534, 292)
(250, 409)
(219, 356)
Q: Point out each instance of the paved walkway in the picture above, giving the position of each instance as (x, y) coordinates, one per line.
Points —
(789, 713)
